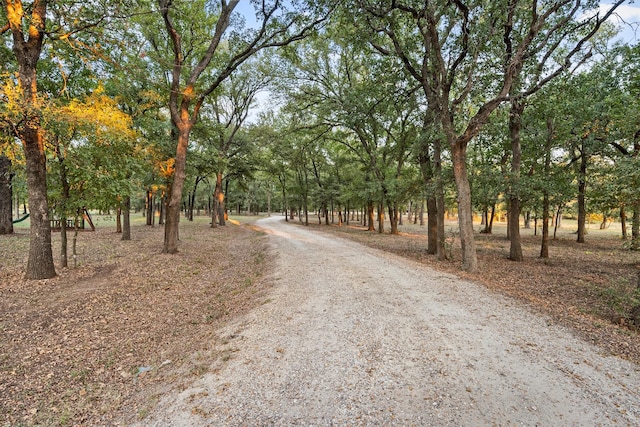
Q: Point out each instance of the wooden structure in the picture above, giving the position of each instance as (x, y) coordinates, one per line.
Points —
(56, 224)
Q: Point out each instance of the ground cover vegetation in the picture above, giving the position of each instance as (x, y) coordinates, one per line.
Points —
(403, 111)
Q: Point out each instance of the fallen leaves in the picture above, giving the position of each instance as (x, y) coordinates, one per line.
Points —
(92, 345)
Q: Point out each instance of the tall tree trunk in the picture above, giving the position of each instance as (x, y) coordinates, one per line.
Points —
(370, 216)
(582, 208)
(126, 218)
(441, 253)
(220, 199)
(63, 205)
(546, 205)
(465, 213)
(149, 206)
(27, 47)
(381, 217)
(544, 247)
(558, 222)
(118, 219)
(172, 220)
(393, 218)
(515, 124)
(432, 177)
(432, 226)
(635, 227)
(6, 196)
(623, 222)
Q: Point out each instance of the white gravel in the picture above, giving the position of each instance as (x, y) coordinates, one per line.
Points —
(354, 336)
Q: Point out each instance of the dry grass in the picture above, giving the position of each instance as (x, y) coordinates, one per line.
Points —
(100, 343)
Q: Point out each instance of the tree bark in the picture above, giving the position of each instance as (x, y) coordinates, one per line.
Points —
(27, 52)
(393, 218)
(623, 222)
(6, 196)
(432, 226)
(515, 124)
(546, 205)
(465, 213)
(126, 218)
(149, 206)
(582, 208)
(172, 220)
(220, 199)
(118, 219)
(370, 216)
(635, 227)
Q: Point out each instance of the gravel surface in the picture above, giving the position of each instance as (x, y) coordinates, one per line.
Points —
(354, 336)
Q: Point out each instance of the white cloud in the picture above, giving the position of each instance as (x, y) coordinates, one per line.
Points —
(624, 14)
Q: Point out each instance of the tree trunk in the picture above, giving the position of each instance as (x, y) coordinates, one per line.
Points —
(544, 247)
(546, 204)
(6, 196)
(149, 206)
(27, 52)
(393, 218)
(465, 213)
(582, 208)
(63, 205)
(370, 216)
(515, 124)
(126, 218)
(623, 222)
(380, 217)
(40, 264)
(441, 253)
(635, 227)
(432, 226)
(558, 223)
(220, 200)
(118, 219)
(172, 220)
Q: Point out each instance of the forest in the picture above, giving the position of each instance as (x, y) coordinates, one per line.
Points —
(459, 134)
(320, 110)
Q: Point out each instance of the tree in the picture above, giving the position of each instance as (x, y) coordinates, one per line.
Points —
(27, 47)
(6, 196)
(195, 78)
(469, 58)
(27, 25)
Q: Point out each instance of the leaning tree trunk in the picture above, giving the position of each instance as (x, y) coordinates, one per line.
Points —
(623, 222)
(6, 196)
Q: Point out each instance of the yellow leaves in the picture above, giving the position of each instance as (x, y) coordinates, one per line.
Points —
(10, 96)
(97, 115)
(14, 14)
(167, 167)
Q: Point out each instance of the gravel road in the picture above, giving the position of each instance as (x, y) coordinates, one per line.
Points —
(354, 336)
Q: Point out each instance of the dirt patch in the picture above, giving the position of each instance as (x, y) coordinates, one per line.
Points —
(99, 343)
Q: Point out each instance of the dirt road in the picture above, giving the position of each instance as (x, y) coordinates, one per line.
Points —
(353, 336)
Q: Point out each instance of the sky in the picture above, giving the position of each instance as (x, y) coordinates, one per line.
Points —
(627, 18)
